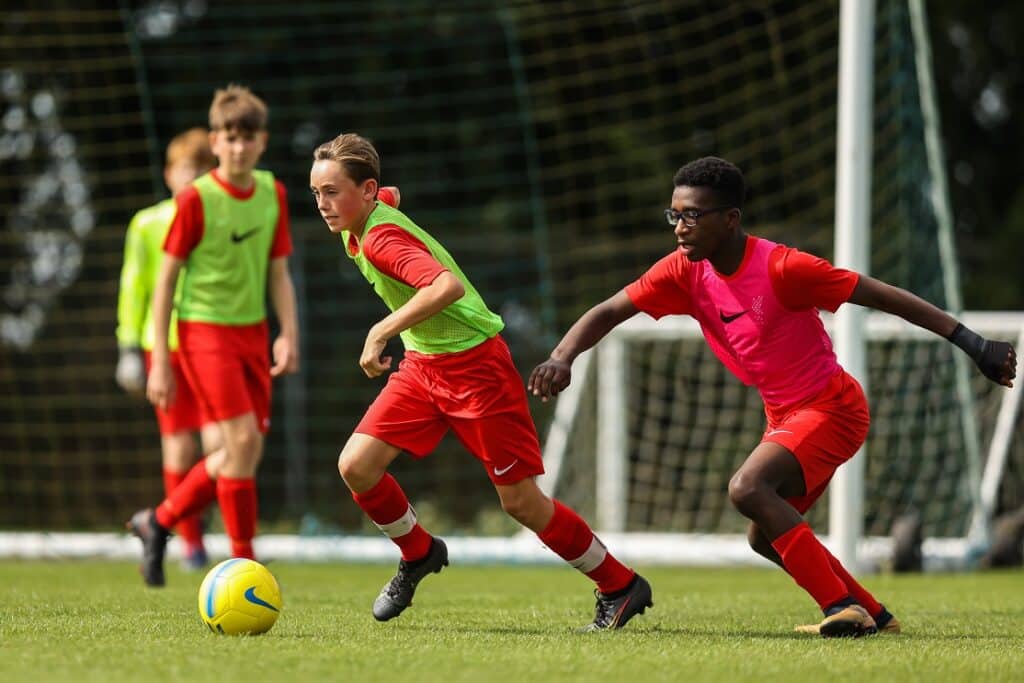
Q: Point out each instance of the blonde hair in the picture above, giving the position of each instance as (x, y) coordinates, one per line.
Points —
(237, 108)
(356, 155)
(193, 146)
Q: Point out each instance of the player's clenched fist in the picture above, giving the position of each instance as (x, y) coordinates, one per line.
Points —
(286, 357)
(160, 386)
(550, 378)
(371, 360)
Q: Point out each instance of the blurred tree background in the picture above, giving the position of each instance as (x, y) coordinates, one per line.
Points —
(979, 73)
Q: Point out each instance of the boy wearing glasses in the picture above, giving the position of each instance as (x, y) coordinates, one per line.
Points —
(756, 302)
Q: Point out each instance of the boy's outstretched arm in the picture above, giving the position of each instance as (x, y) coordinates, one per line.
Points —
(997, 360)
(553, 375)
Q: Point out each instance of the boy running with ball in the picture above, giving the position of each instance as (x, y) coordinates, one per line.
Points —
(457, 374)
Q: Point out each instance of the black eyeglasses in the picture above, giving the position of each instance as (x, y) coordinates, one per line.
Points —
(690, 216)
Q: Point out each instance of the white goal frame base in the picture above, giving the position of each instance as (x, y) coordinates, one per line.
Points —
(644, 549)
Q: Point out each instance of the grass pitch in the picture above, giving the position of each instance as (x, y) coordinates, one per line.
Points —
(94, 621)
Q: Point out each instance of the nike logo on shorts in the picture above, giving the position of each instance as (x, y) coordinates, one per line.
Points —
(502, 471)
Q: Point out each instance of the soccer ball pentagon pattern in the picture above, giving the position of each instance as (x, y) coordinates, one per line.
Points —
(239, 596)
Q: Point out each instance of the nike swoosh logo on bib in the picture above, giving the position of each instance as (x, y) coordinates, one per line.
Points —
(236, 237)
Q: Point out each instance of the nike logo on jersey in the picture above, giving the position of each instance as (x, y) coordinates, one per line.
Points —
(236, 237)
(729, 318)
(502, 471)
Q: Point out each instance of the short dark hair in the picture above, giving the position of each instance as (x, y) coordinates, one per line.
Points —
(724, 178)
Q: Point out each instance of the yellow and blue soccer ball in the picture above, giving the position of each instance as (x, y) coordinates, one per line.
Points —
(239, 596)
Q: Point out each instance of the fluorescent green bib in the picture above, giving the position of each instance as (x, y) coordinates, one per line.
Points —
(143, 251)
(461, 325)
(225, 279)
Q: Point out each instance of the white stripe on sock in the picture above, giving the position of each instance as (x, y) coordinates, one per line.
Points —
(401, 526)
(592, 559)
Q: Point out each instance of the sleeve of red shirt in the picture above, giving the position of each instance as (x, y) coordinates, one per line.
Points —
(400, 255)
(282, 245)
(803, 281)
(385, 195)
(187, 228)
(664, 289)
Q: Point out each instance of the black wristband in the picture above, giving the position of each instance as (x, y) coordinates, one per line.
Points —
(971, 342)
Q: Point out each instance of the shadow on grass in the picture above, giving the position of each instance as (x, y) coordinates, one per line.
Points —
(659, 630)
(697, 631)
(790, 635)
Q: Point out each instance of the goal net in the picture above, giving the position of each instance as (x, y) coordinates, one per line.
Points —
(537, 140)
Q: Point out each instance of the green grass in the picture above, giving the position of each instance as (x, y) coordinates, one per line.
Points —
(94, 621)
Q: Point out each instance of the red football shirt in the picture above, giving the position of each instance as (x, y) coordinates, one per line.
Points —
(401, 255)
(762, 320)
(800, 281)
(187, 229)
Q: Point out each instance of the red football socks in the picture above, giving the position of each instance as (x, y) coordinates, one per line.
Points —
(572, 539)
(189, 528)
(807, 561)
(237, 498)
(190, 497)
(386, 505)
(857, 591)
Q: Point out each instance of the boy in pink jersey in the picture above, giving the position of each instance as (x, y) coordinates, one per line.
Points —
(757, 303)
(231, 236)
(457, 374)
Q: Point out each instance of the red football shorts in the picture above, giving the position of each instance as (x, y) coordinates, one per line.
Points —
(823, 432)
(229, 368)
(477, 393)
(186, 413)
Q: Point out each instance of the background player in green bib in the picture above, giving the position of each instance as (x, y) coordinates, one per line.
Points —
(231, 235)
(188, 156)
(457, 374)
